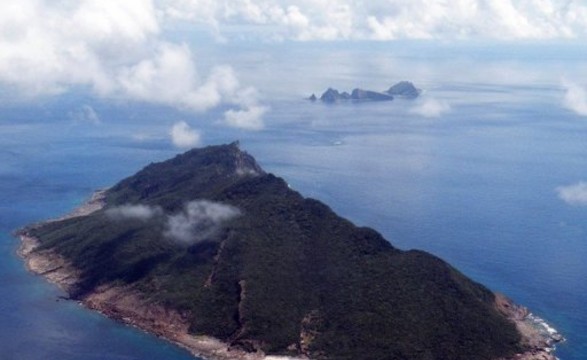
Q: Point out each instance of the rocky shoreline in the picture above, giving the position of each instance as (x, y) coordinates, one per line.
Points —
(125, 304)
(537, 335)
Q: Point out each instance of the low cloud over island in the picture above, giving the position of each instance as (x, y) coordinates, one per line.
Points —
(134, 212)
(199, 219)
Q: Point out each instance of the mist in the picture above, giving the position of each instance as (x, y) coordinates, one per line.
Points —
(198, 221)
(138, 212)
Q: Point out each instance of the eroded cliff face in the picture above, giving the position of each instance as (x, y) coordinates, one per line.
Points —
(47, 263)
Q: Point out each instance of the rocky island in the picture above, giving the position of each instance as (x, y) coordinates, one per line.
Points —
(211, 252)
(403, 89)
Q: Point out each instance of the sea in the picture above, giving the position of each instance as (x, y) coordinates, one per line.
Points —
(472, 171)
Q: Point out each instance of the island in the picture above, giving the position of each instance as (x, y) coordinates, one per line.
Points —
(213, 253)
(403, 89)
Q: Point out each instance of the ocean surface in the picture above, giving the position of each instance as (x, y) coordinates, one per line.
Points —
(469, 173)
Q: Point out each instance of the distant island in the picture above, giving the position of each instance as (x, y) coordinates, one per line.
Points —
(403, 89)
(213, 253)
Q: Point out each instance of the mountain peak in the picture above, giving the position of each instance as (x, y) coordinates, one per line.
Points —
(197, 172)
(404, 89)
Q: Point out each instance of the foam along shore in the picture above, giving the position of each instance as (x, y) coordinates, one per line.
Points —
(545, 328)
(124, 303)
(536, 333)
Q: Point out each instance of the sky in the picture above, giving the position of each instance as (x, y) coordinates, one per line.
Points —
(143, 50)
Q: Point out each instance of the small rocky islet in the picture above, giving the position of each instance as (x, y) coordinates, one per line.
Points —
(403, 90)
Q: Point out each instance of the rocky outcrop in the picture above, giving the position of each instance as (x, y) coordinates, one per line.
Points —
(403, 89)
(537, 336)
(47, 263)
(332, 95)
(360, 94)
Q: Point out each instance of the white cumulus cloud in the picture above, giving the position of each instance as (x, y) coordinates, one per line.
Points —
(183, 136)
(386, 19)
(47, 46)
(199, 220)
(575, 194)
(137, 212)
(575, 98)
(114, 49)
(430, 107)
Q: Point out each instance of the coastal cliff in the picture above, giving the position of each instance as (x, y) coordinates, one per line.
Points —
(210, 252)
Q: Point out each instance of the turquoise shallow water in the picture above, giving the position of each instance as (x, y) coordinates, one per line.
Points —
(475, 186)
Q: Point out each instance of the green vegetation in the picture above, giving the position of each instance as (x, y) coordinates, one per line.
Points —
(288, 266)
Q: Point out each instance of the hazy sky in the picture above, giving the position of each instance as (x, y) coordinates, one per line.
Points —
(140, 50)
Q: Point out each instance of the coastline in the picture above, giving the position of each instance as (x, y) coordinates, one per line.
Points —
(537, 335)
(125, 304)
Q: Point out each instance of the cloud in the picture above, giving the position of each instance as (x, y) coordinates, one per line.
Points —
(199, 220)
(276, 20)
(166, 76)
(46, 46)
(250, 115)
(170, 77)
(137, 212)
(85, 114)
(114, 49)
(386, 19)
(430, 107)
(575, 98)
(575, 194)
(250, 118)
(183, 136)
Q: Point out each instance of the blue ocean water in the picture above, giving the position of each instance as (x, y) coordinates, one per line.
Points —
(474, 185)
